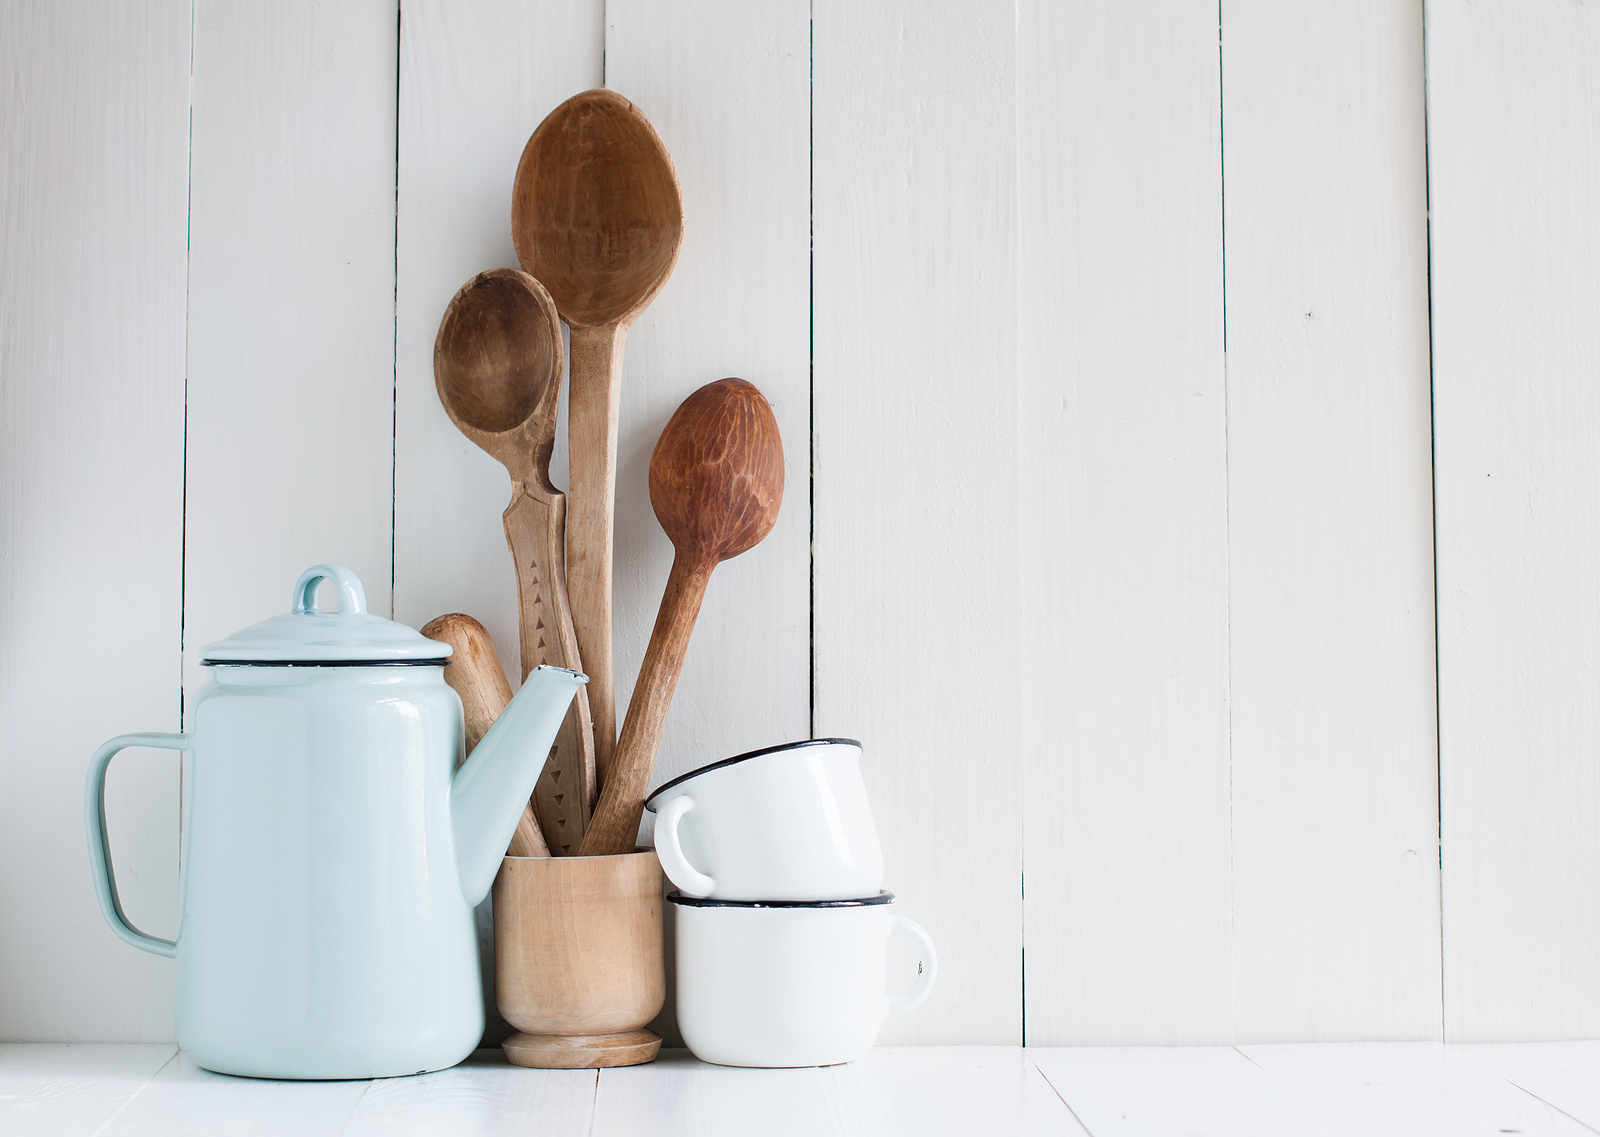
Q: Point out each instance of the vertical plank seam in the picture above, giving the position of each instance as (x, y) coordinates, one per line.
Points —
(1021, 581)
(394, 392)
(811, 370)
(1227, 530)
(183, 486)
(1433, 475)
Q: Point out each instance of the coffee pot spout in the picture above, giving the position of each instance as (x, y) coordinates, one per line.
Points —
(491, 788)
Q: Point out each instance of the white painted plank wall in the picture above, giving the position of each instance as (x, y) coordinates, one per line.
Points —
(1513, 118)
(915, 392)
(290, 446)
(1330, 551)
(94, 140)
(1045, 539)
(1123, 534)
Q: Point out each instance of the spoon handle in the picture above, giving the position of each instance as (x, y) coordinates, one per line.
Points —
(535, 522)
(615, 824)
(592, 454)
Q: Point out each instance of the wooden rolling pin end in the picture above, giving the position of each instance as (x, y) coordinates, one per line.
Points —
(475, 674)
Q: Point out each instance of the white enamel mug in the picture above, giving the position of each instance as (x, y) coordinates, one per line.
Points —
(798, 984)
(789, 822)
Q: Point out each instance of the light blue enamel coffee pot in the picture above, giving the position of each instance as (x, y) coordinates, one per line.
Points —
(333, 852)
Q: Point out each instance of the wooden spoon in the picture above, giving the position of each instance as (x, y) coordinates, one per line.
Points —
(497, 365)
(716, 481)
(597, 216)
(475, 673)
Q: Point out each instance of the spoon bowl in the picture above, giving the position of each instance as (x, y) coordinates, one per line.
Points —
(716, 474)
(497, 363)
(596, 212)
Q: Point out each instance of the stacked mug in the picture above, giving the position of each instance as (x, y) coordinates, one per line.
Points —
(782, 921)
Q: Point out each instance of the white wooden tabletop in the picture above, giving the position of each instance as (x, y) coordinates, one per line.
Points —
(1405, 1089)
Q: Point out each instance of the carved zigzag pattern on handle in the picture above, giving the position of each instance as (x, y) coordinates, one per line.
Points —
(534, 530)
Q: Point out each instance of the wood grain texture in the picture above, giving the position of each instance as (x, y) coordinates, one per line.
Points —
(916, 420)
(716, 483)
(93, 172)
(595, 403)
(578, 951)
(1513, 111)
(291, 305)
(1330, 529)
(726, 84)
(1123, 531)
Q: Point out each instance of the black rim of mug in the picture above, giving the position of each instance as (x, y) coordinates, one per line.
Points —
(679, 898)
(681, 778)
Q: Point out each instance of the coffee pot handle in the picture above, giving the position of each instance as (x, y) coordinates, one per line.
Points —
(690, 880)
(927, 970)
(94, 817)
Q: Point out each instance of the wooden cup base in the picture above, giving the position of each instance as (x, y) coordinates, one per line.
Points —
(582, 1051)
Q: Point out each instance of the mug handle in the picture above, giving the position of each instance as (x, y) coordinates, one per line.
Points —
(94, 817)
(690, 880)
(909, 1000)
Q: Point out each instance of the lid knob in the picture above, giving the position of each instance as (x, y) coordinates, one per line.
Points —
(352, 597)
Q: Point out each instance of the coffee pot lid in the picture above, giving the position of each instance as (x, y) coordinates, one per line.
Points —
(351, 636)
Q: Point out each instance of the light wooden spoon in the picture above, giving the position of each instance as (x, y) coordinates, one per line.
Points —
(475, 673)
(597, 216)
(716, 482)
(497, 365)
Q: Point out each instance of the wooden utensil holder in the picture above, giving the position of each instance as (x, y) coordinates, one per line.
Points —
(579, 969)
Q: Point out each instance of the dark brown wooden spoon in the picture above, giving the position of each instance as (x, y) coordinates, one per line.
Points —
(497, 365)
(597, 216)
(716, 482)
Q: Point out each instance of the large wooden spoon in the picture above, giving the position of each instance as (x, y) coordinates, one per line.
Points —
(716, 481)
(475, 673)
(497, 365)
(597, 216)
